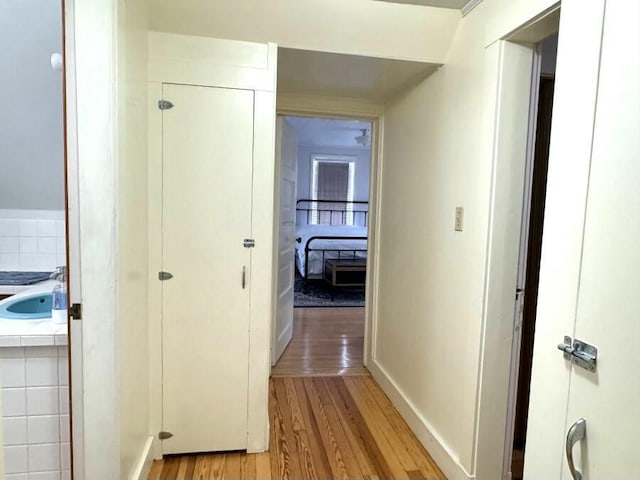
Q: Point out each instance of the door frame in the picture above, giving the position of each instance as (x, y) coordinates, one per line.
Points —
(574, 109)
(341, 109)
(522, 261)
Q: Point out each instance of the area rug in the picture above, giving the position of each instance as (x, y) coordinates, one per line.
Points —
(317, 293)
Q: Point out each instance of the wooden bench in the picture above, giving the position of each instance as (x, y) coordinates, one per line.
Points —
(345, 272)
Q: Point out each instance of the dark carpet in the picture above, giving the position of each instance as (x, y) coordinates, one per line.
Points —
(317, 293)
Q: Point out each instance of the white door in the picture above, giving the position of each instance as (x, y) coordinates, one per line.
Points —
(607, 307)
(286, 175)
(207, 143)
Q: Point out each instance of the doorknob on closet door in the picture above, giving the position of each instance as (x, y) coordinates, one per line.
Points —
(577, 432)
(244, 276)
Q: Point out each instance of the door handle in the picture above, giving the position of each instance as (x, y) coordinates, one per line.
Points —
(244, 276)
(577, 432)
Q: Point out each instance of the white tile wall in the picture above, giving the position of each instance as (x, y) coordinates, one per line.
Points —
(32, 240)
(35, 409)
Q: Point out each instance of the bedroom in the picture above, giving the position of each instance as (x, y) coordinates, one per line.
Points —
(324, 173)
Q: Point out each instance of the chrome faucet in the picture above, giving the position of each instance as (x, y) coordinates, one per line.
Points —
(60, 274)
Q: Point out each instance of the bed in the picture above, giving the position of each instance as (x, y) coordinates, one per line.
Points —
(328, 229)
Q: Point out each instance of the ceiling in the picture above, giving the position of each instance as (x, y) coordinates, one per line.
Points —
(316, 132)
(432, 3)
(306, 72)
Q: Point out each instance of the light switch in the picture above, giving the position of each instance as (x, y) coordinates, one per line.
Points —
(459, 219)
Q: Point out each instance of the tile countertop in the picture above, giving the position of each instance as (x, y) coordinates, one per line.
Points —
(31, 333)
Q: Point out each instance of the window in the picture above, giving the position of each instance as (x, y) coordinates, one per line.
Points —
(332, 178)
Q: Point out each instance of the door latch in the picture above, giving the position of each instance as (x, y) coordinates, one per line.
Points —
(580, 353)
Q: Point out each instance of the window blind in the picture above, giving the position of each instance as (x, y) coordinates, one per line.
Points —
(332, 182)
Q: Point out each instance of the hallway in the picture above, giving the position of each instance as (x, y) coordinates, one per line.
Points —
(329, 419)
(321, 428)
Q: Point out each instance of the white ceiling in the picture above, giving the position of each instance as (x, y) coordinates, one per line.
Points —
(305, 72)
(324, 132)
(432, 3)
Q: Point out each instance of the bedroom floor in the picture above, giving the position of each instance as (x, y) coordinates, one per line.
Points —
(326, 341)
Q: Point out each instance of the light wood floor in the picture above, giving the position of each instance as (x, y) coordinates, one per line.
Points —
(340, 427)
(326, 341)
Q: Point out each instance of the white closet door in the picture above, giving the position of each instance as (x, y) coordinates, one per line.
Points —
(286, 173)
(207, 148)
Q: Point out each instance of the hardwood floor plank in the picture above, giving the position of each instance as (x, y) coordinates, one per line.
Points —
(361, 429)
(263, 466)
(186, 468)
(280, 457)
(348, 455)
(338, 467)
(351, 431)
(320, 458)
(248, 467)
(232, 467)
(303, 442)
(421, 457)
(170, 468)
(217, 466)
(156, 470)
(381, 431)
(201, 467)
(293, 438)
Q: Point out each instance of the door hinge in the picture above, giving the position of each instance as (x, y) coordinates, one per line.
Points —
(249, 243)
(162, 276)
(75, 311)
(164, 435)
(580, 353)
(164, 104)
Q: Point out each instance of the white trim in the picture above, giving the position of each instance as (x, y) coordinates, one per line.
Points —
(339, 108)
(145, 460)
(466, 9)
(319, 106)
(73, 240)
(425, 433)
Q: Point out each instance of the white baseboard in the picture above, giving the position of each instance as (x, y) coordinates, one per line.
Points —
(419, 425)
(143, 465)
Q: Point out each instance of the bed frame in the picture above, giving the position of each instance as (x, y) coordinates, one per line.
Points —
(331, 212)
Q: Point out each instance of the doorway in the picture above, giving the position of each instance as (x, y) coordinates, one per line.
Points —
(324, 171)
(35, 351)
(531, 246)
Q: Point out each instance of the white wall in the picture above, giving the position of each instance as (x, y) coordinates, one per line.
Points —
(362, 159)
(133, 243)
(437, 321)
(360, 27)
(112, 164)
(31, 132)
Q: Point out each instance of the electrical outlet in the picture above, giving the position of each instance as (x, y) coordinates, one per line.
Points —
(459, 219)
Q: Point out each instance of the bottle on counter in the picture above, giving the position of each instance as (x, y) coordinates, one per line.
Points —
(59, 297)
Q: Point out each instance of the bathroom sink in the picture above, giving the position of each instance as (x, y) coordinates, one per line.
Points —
(29, 307)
